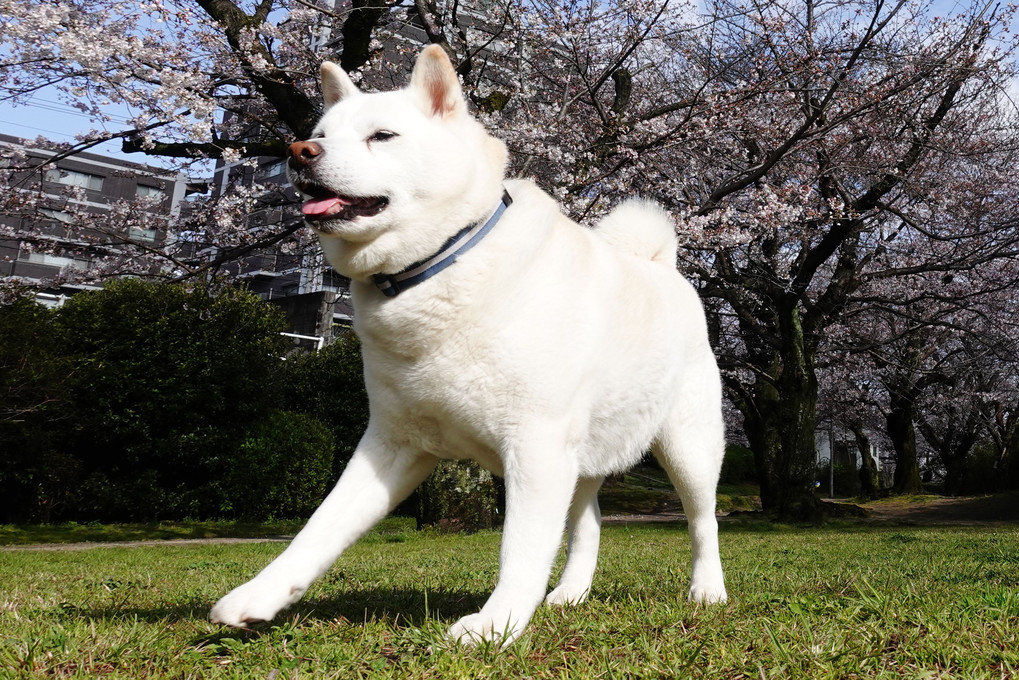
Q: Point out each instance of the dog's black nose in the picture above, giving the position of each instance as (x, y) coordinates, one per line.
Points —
(303, 154)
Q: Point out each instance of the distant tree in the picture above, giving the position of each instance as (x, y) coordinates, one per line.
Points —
(870, 484)
(960, 418)
(1004, 429)
(936, 351)
(999, 378)
(848, 398)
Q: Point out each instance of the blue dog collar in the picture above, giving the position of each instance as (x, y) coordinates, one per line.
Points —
(392, 285)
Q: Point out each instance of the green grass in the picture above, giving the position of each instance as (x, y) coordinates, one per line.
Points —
(849, 602)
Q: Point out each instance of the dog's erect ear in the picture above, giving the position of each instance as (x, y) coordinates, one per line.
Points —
(336, 84)
(435, 78)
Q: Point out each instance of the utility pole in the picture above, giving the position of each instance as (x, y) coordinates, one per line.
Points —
(831, 459)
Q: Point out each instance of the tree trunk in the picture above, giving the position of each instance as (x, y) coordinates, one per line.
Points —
(955, 454)
(902, 432)
(1010, 460)
(780, 418)
(1007, 465)
(955, 477)
(870, 486)
(1005, 432)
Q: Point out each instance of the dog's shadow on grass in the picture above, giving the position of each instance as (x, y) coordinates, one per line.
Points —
(402, 608)
(385, 603)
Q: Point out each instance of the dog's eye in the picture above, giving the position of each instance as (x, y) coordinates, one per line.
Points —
(382, 136)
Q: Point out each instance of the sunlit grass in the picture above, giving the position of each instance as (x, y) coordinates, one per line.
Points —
(805, 603)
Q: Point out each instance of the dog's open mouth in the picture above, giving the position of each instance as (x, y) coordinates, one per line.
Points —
(328, 205)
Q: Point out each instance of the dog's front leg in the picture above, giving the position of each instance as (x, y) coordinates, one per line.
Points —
(538, 493)
(374, 481)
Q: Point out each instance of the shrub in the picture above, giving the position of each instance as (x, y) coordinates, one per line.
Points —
(281, 470)
(738, 465)
(982, 470)
(459, 496)
(329, 385)
(166, 378)
(36, 474)
(128, 397)
(846, 479)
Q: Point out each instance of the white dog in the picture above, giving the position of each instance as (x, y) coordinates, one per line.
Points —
(496, 329)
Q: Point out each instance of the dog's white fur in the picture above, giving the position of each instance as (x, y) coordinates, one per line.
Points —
(552, 354)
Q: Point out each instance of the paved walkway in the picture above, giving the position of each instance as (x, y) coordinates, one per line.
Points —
(143, 544)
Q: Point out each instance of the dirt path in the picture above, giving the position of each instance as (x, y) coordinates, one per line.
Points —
(142, 544)
(997, 510)
(1000, 509)
(974, 510)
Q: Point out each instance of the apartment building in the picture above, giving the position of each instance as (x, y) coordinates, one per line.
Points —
(41, 240)
(45, 243)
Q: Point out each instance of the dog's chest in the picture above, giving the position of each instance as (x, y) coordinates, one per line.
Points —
(440, 383)
(442, 413)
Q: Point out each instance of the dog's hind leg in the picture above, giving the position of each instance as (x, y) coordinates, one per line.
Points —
(584, 526)
(690, 449)
(374, 481)
(539, 485)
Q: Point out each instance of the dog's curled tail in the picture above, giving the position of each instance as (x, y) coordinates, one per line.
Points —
(643, 228)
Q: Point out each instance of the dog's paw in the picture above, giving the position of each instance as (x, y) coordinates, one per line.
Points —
(477, 628)
(708, 593)
(566, 594)
(253, 602)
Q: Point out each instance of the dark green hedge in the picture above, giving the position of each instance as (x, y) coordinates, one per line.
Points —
(157, 401)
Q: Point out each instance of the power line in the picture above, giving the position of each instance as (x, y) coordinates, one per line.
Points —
(37, 129)
(54, 135)
(65, 110)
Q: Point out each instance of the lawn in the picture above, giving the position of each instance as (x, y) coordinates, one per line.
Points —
(842, 602)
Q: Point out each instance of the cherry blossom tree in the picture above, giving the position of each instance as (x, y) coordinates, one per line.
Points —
(943, 366)
(1004, 428)
(851, 155)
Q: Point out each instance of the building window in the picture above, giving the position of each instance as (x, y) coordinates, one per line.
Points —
(274, 169)
(143, 191)
(57, 215)
(140, 234)
(73, 178)
(54, 260)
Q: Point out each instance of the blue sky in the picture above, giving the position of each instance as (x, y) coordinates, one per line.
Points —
(45, 116)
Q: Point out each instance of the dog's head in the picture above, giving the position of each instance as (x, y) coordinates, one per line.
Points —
(388, 177)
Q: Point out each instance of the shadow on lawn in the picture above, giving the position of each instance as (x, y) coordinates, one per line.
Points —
(401, 607)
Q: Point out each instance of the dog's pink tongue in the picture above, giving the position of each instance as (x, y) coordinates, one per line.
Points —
(320, 206)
